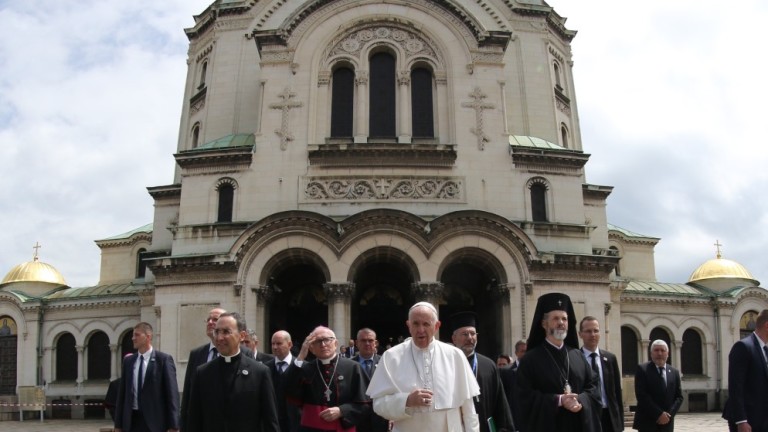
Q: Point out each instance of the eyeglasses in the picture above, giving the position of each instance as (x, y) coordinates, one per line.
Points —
(324, 341)
(469, 334)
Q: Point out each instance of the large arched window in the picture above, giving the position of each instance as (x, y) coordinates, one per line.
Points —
(196, 135)
(615, 252)
(421, 103)
(226, 202)
(691, 353)
(8, 352)
(629, 351)
(564, 135)
(342, 102)
(539, 202)
(141, 265)
(660, 333)
(382, 123)
(558, 80)
(99, 357)
(66, 358)
(203, 73)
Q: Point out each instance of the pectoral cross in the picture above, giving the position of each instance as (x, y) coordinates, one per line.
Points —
(327, 393)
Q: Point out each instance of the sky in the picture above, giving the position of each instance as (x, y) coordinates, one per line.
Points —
(670, 97)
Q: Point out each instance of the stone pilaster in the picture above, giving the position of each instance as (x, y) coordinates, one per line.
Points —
(339, 295)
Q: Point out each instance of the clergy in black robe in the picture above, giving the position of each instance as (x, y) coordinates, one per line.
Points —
(330, 389)
(233, 392)
(555, 386)
(491, 405)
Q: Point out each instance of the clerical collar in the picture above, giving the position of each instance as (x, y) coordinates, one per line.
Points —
(562, 344)
(327, 361)
(228, 359)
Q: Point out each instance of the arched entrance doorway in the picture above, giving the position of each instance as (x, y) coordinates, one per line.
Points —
(383, 280)
(298, 303)
(470, 281)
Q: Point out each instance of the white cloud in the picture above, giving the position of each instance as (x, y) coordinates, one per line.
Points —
(670, 97)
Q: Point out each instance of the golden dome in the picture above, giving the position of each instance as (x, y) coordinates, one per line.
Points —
(34, 271)
(721, 268)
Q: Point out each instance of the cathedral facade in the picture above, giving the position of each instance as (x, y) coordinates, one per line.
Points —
(339, 160)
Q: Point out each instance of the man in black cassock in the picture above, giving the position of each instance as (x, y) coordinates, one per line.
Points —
(555, 385)
(492, 402)
(330, 390)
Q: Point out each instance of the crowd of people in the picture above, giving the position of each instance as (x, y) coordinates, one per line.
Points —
(420, 384)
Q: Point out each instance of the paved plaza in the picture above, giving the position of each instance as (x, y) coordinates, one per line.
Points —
(709, 422)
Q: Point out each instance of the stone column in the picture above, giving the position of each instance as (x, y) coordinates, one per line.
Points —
(677, 360)
(406, 129)
(644, 344)
(264, 296)
(339, 295)
(442, 106)
(361, 109)
(80, 366)
(323, 116)
(116, 363)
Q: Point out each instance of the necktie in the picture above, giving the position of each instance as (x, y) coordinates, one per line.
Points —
(661, 374)
(281, 366)
(765, 350)
(140, 378)
(368, 366)
(595, 369)
(214, 354)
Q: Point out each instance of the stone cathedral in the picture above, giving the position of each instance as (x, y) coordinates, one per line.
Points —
(339, 160)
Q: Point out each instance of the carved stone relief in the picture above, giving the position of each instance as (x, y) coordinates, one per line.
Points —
(357, 189)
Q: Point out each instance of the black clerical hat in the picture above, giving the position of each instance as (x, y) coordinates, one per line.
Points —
(463, 319)
(548, 303)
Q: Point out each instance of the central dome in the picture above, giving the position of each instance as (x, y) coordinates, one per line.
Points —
(721, 268)
(34, 271)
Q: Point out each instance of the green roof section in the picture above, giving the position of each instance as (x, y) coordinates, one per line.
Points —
(628, 233)
(97, 291)
(648, 288)
(229, 141)
(146, 229)
(529, 141)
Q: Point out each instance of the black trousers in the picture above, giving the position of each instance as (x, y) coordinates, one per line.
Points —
(137, 422)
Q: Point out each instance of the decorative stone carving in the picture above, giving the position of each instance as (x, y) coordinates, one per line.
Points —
(563, 107)
(404, 78)
(479, 106)
(352, 44)
(428, 291)
(361, 77)
(335, 291)
(383, 188)
(285, 106)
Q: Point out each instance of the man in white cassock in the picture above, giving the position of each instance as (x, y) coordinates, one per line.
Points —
(423, 384)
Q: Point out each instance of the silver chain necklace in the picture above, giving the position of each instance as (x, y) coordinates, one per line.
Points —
(327, 385)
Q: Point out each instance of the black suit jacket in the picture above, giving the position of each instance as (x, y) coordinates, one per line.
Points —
(244, 403)
(197, 357)
(508, 377)
(654, 397)
(263, 357)
(612, 384)
(159, 402)
(747, 385)
(376, 422)
(288, 414)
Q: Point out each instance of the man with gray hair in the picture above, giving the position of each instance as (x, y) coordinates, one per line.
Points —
(658, 392)
(423, 384)
(251, 342)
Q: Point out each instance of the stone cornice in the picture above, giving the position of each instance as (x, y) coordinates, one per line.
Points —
(548, 161)
(554, 20)
(168, 191)
(230, 159)
(130, 241)
(646, 241)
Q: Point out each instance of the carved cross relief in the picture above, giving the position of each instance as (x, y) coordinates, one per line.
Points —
(285, 106)
(479, 106)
